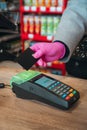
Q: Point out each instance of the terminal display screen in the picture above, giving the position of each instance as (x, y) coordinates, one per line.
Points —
(45, 81)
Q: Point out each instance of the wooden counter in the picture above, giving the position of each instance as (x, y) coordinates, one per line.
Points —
(20, 114)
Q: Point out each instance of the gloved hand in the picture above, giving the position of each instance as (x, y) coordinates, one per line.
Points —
(48, 52)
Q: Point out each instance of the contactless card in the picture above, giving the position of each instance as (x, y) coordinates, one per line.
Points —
(26, 60)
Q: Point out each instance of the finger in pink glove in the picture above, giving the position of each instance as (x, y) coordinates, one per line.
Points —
(48, 52)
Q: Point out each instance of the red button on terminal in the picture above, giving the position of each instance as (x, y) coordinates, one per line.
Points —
(67, 98)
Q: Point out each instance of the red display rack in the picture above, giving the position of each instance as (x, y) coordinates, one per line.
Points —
(55, 67)
(37, 10)
(43, 10)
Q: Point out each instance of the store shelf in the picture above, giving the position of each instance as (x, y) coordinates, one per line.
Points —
(54, 67)
(26, 10)
(9, 37)
(8, 31)
(36, 37)
(8, 10)
(59, 66)
(42, 10)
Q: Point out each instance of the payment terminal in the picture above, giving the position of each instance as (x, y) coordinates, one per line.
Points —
(35, 85)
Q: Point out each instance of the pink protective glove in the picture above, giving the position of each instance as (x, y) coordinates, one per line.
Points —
(48, 52)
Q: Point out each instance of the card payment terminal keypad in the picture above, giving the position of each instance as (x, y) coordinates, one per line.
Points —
(62, 90)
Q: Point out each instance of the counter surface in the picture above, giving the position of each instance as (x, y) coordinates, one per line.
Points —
(21, 114)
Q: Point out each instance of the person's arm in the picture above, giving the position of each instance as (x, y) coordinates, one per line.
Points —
(73, 26)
